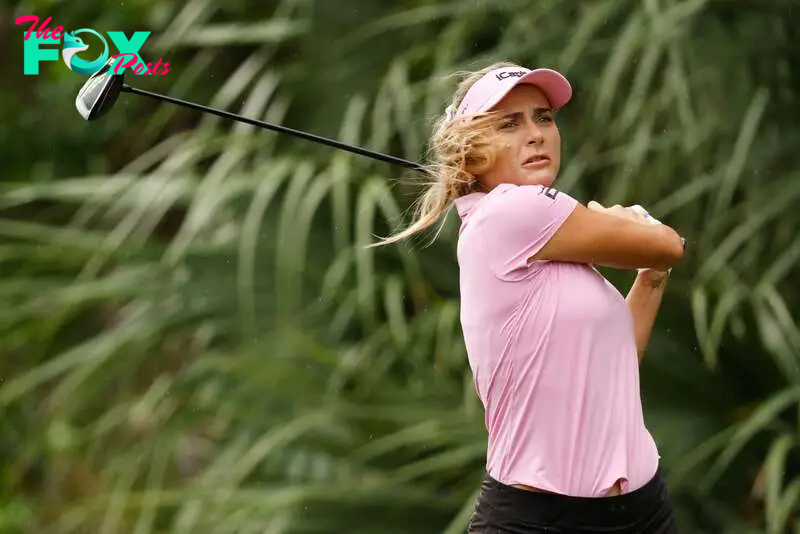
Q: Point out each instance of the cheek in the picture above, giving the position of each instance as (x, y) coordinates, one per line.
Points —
(507, 157)
(503, 152)
(510, 148)
(556, 137)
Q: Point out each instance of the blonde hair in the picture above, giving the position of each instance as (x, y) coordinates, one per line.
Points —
(460, 151)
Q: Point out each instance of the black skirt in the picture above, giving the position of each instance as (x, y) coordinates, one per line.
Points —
(503, 509)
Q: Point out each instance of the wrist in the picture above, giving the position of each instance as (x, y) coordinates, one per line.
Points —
(652, 271)
(654, 278)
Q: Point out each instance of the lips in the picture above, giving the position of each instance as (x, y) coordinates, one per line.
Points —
(536, 160)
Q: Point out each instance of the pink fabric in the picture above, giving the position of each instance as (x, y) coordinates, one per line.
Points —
(494, 85)
(552, 350)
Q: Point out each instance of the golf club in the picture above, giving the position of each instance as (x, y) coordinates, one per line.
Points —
(101, 91)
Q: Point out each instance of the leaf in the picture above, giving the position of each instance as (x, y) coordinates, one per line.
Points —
(764, 416)
(774, 469)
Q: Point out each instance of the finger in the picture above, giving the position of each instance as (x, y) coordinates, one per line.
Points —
(644, 214)
(619, 211)
(639, 209)
(593, 205)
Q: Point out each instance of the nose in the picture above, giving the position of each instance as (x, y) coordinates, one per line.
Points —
(534, 133)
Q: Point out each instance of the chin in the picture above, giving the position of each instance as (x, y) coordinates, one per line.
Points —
(545, 179)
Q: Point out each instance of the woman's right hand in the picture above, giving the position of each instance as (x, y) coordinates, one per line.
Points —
(619, 211)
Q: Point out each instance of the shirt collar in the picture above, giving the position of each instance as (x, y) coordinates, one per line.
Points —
(466, 204)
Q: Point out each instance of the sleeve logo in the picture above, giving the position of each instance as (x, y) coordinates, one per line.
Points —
(548, 192)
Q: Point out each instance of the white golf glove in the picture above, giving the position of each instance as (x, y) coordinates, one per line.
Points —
(652, 220)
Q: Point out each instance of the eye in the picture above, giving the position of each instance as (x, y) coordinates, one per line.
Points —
(545, 118)
(506, 124)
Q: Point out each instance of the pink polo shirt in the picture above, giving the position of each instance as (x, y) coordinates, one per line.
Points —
(552, 349)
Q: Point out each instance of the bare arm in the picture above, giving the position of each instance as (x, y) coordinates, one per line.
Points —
(613, 237)
(644, 301)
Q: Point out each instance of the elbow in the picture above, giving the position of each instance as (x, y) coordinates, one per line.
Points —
(671, 249)
(675, 249)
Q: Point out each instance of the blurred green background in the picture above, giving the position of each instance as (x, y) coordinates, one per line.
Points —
(193, 337)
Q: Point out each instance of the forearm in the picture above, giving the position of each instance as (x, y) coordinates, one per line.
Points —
(644, 301)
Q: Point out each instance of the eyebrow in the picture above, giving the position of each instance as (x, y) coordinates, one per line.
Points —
(518, 114)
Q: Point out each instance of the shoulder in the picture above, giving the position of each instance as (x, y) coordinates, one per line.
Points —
(507, 203)
(509, 194)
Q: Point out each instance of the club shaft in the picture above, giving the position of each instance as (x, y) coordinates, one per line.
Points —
(277, 127)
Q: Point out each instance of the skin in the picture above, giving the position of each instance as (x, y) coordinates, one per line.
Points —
(528, 128)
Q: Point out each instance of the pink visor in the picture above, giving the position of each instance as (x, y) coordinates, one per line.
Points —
(496, 84)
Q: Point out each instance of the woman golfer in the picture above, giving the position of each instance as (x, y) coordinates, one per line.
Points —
(554, 348)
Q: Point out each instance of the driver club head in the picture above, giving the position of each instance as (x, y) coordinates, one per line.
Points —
(99, 93)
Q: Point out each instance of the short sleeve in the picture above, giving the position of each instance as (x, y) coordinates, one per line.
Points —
(521, 220)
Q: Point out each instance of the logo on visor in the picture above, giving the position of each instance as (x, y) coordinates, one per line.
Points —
(510, 74)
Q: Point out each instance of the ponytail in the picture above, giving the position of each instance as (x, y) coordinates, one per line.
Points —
(431, 206)
(462, 151)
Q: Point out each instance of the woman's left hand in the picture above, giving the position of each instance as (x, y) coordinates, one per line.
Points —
(619, 211)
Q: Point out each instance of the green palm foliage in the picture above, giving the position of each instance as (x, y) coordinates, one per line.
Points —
(195, 338)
